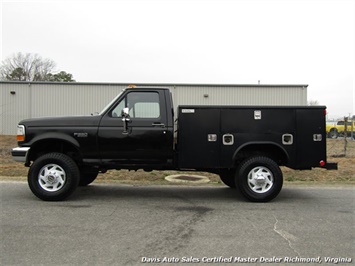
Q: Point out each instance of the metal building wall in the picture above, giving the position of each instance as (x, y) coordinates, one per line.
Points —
(64, 99)
(21, 100)
(31, 100)
(15, 105)
(240, 95)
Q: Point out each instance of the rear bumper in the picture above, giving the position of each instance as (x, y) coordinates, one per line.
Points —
(19, 154)
(331, 166)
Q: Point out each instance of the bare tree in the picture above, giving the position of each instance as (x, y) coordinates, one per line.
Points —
(26, 67)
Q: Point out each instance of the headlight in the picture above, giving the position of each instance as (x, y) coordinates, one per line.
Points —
(21, 133)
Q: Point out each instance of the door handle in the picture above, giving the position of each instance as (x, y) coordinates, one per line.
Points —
(158, 125)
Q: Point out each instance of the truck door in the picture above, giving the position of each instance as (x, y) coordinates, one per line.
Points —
(147, 140)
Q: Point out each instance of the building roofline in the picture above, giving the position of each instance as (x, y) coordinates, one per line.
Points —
(154, 84)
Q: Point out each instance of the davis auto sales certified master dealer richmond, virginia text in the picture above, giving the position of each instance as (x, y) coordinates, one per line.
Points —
(236, 259)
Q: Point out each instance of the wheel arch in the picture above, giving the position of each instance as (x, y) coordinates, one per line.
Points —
(270, 149)
(54, 142)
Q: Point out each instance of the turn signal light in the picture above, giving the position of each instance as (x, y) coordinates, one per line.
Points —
(20, 138)
(21, 133)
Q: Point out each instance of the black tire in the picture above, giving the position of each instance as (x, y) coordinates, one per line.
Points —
(228, 177)
(334, 134)
(87, 178)
(259, 179)
(53, 177)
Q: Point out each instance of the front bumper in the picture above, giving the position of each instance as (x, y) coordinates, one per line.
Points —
(19, 154)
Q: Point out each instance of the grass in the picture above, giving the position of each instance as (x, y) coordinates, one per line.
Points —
(345, 175)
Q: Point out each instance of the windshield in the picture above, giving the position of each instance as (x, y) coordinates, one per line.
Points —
(108, 106)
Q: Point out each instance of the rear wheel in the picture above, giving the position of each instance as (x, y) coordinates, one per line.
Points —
(259, 179)
(53, 176)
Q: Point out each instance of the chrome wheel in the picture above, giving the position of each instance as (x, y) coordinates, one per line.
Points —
(260, 179)
(51, 177)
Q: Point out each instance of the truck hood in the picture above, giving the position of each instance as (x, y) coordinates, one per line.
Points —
(65, 121)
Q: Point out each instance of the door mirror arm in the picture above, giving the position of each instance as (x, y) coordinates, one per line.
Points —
(125, 119)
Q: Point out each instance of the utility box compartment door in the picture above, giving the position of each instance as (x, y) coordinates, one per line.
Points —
(198, 137)
(310, 138)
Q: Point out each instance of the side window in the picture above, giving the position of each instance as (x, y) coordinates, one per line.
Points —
(140, 104)
(118, 109)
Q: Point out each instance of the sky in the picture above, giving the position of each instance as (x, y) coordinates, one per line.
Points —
(193, 41)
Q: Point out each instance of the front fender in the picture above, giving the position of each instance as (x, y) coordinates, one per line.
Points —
(53, 142)
(54, 136)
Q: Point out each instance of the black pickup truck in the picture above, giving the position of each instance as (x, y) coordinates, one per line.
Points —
(245, 145)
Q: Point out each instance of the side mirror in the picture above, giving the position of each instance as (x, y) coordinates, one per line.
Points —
(125, 112)
(125, 120)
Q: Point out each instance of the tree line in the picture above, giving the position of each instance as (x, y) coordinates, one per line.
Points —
(31, 67)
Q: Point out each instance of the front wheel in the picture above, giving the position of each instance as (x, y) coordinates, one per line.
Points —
(53, 176)
(259, 179)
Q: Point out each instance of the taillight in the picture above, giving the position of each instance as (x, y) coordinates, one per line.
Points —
(322, 163)
(325, 111)
(21, 133)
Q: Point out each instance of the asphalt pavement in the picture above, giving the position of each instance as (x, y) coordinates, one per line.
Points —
(115, 224)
